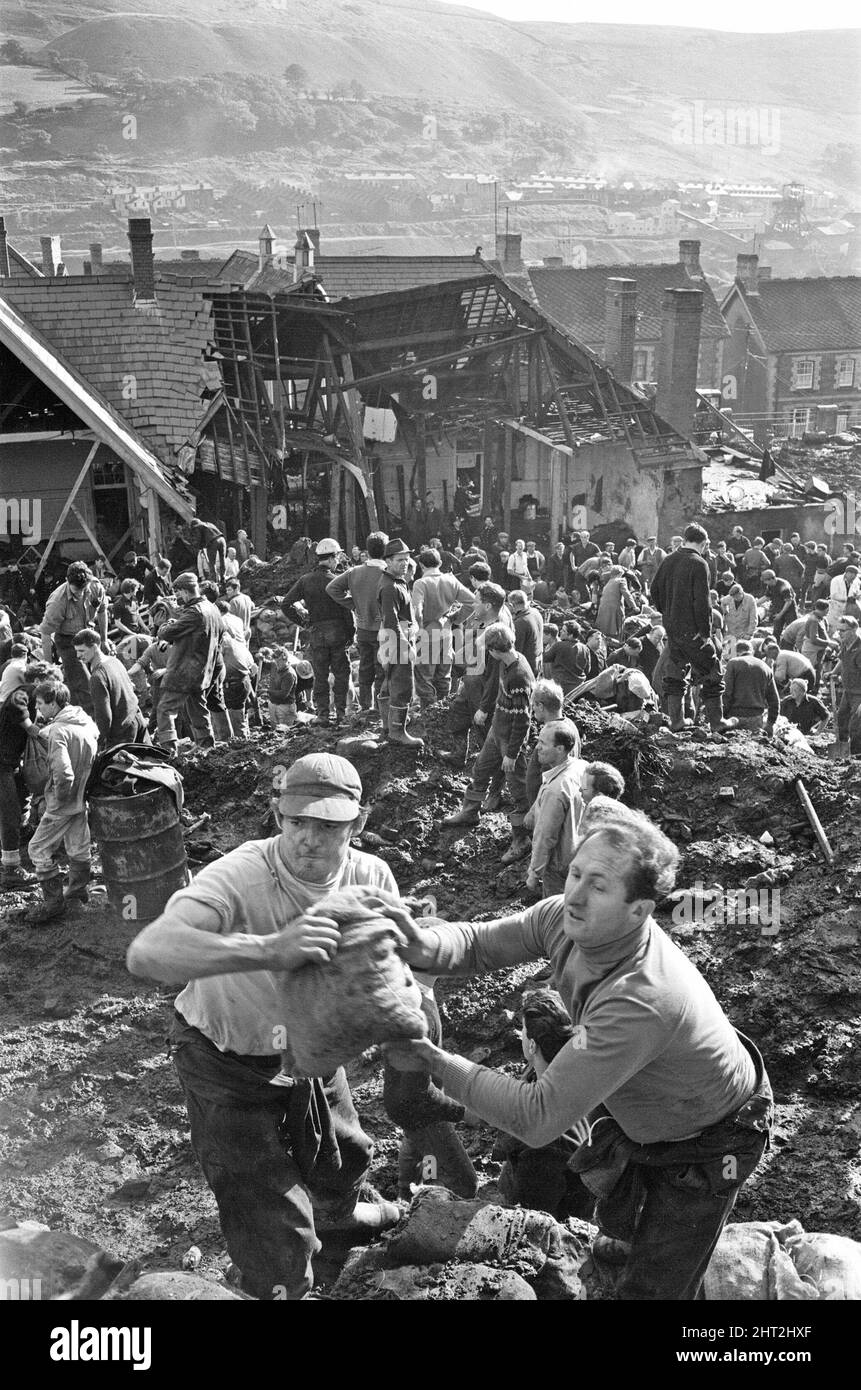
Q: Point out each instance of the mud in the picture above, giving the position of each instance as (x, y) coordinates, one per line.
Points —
(93, 1133)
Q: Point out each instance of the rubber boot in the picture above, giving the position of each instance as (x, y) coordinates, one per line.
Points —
(443, 1158)
(79, 877)
(714, 713)
(519, 848)
(398, 728)
(221, 726)
(674, 709)
(53, 904)
(383, 708)
(469, 814)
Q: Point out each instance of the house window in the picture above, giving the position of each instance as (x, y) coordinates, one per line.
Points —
(644, 358)
(844, 372)
(842, 421)
(802, 421)
(803, 374)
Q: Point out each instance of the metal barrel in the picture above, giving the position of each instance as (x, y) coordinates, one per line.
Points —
(142, 850)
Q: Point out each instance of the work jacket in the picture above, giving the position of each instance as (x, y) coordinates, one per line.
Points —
(72, 740)
(195, 638)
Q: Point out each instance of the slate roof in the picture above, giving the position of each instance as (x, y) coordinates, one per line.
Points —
(114, 343)
(353, 276)
(575, 297)
(821, 314)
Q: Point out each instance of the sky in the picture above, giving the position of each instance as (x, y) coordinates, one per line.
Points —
(735, 16)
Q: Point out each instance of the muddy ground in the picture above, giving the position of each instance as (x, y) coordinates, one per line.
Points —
(93, 1133)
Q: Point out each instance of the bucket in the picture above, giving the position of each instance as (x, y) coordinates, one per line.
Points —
(142, 849)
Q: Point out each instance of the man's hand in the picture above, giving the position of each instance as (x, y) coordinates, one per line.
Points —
(20, 699)
(479, 717)
(508, 764)
(312, 939)
(413, 1054)
(110, 647)
(422, 945)
(532, 881)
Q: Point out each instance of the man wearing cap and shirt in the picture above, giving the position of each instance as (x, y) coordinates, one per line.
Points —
(283, 1159)
(194, 638)
(332, 630)
(78, 603)
(398, 633)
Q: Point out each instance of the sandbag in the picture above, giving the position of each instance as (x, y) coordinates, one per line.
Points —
(831, 1264)
(170, 1286)
(366, 994)
(438, 1228)
(751, 1263)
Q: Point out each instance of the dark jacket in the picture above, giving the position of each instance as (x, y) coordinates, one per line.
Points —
(195, 638)
(750, 688)
(115, 704)
(529, 638)
(311, 589)
(13, 735)
(680, 589)
(156, 586)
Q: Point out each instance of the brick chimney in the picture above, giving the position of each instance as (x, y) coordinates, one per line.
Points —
(304, 253)
(96, 257)
(620, 326)
(508, 250)
(52, 256)
(4, 250)
(747, 272)
(143, 265)
(677, 358)
(689, 255)
(265, 247)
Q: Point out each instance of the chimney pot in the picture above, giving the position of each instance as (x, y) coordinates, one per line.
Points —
(304, 253)
(678, 358)
(747, 272)
(96, 257)
(88, 268)
(143, 266)
(689, 255)
(508, 246)
(620, 326)
(4, 249)
(52, 256)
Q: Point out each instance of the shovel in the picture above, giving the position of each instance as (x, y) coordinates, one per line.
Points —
(834, 750)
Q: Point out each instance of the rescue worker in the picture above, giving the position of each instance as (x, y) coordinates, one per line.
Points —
(680, 590)
(194, 638)
(398, 632)
(332, 630)
(115, 705)
(80, 602)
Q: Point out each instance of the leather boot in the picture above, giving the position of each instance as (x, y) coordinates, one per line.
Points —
(674, 710)
(518, 849)
(713, 707)
(398, 728)
(53, 904)
(450, 1165)
(469, 814)
(456, 757)
(79, 877)
(221, 726)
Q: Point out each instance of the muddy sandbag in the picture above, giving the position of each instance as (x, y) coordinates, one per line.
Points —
(54, 1264)
(439, 1227)
(831, 1264)
(173, 1285)
(474, 1283)
(751, 1262)
(366, 994)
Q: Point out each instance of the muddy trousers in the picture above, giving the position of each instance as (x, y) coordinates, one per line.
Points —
(370, 670)
(328, 652)
(488, 767)
(193, 705)
(693, 656)
(13, 803)
(270, 1155)
(60, 828)
(849, 722)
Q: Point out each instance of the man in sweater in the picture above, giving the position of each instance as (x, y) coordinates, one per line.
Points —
(680, 590)
(240, 604)
(359, 588)
(849, 709)
(70, 740)
(678, 1104)
(505, 745)
(750, 694)
(194, 638)
(283, 1162)
(475, 698)
(115, 704)
(554, 819)
(398, 633)
(434, 596)
(816, 641)
(528, 630)
(331, 630)
(803, 709)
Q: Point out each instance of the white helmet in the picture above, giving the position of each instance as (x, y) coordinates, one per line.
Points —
(327, 546)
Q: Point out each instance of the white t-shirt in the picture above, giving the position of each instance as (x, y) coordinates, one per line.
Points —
(253, 892)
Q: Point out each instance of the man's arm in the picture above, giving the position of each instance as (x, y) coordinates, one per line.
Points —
(101, 705)
(339, 590)
(470, 948)
(186, 943)
(51, 623)
(729, 683)
(174, 628)
(292, 596)
(700, 595)
(62, 772)
(772, 700)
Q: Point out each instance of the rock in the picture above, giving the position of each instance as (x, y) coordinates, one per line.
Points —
(132, 1190)
(725, 794)
(476, 1283)
(109, 1153)
(124, 1078)
(174, 1286)
(192, 1257)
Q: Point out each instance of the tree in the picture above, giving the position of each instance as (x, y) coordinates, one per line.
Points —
(295, 76)
(357, 90)
(20, 109)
